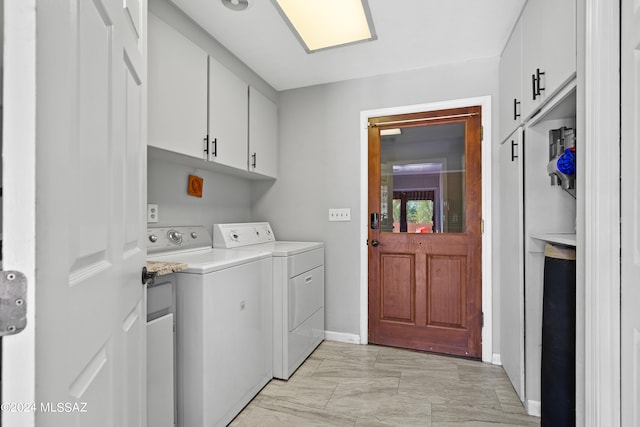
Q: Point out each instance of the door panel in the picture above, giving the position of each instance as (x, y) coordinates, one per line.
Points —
(425, 256)
(397, 283)
(446, 291)
(90, 211)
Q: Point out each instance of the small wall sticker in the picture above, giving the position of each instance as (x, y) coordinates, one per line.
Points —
(195, 186)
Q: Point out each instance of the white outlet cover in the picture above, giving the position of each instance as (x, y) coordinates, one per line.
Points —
(152, 213)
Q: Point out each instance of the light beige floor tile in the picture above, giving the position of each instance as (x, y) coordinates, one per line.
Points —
(369, 385)
(303, 390)
(449, 415)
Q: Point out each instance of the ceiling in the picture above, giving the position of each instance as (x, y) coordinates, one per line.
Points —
(411, 34)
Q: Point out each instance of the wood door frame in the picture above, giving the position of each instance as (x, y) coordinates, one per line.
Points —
(485, 103)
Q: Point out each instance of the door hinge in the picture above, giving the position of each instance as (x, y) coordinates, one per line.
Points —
(481, 133)
(482, 320)
(482, 226)
(13, 295)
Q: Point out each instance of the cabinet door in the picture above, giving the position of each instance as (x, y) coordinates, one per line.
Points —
(512, 261)
(548, 44)
(263, 134)
(160, 386)
(228, 117)
(177, 91)
(511, 84)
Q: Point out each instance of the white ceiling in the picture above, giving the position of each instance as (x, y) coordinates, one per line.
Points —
(411, 34)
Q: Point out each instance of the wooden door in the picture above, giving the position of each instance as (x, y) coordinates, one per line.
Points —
(88, 364)
(425, 285)
(630, 214)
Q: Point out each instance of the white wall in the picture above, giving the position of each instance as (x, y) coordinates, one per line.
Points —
(225, 198)
(319, 166)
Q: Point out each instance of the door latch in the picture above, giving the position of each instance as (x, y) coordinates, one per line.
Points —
(13, 302)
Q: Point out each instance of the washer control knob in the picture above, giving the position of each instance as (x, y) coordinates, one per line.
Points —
(194, 235)
(153, 238)
(175, 236)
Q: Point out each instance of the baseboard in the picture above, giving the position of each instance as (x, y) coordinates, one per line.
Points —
(342, 337)
(496, 359)
(534, 408)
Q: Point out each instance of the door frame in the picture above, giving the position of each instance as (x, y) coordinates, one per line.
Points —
(485, 103)
(19, 175)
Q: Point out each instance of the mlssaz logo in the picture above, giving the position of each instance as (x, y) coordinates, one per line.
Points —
(66, 407)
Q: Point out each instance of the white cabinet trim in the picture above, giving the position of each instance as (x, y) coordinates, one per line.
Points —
(599, 261)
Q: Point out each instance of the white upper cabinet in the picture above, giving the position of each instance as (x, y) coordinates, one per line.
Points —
(263, 134)
(177, 93)
(228, 117)
(511, 84)
(548, 50)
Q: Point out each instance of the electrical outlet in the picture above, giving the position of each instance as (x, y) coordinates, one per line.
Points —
(341, 214)
(152, 213)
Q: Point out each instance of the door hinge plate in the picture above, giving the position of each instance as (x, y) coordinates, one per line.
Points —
(482, 320)
(13, 302)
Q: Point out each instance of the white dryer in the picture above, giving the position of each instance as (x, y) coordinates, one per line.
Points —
(223, 320)
(298, 290)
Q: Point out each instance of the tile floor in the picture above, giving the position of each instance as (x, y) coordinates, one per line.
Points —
(357, 385)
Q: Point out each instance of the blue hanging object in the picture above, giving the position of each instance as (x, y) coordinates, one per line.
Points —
(567, 162)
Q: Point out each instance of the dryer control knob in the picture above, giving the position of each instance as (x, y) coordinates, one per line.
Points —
(153, 238)
(194, 235)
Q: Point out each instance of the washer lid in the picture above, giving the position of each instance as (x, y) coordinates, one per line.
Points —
(202, 262)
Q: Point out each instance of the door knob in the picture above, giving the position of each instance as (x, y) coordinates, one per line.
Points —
(374, 243)
(148, 277)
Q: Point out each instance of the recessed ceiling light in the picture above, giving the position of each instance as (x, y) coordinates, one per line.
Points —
(321, 24)
(236, 4)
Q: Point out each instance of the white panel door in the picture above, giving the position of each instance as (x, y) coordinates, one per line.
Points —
(89, 209)
(512, 261)
(630, 212)
(263, 134)
(228, 117)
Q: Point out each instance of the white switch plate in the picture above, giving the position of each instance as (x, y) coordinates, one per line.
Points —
(341, 214)
(152, 213)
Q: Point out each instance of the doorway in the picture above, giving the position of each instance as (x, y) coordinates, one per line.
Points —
(425, 282)
(486, 158)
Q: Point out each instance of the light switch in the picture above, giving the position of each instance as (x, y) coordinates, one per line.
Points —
(340, 214)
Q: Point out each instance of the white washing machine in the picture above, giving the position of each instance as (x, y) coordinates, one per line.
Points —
(223, 324)
(298, 290)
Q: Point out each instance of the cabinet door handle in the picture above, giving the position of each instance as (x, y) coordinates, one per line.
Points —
(513, 150)
(206, 144)
(215, 147)
(515, 109)
(535, 81)
(253, 156)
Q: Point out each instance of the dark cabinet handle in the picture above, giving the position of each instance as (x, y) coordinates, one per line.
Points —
(515, 109)
(513, 154)
(214, 143)
(535, 81)
(253, 156)
(206, 144)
